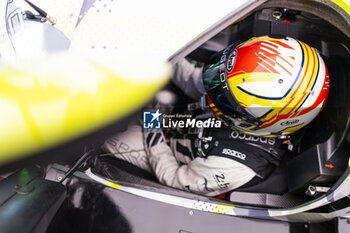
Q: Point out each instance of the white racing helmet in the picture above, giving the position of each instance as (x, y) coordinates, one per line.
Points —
(267, 86)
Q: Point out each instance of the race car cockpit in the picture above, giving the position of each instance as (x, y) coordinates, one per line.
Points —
(87, 190)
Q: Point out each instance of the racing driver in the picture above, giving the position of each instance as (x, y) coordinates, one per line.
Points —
(264, 90)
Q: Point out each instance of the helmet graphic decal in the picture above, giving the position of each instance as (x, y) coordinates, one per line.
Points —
(276, 86)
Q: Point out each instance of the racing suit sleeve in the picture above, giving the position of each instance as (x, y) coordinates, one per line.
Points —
(209, 176)
(188, 79)
(128, 146)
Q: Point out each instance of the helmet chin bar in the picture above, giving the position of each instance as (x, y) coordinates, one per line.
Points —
(230, 123)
